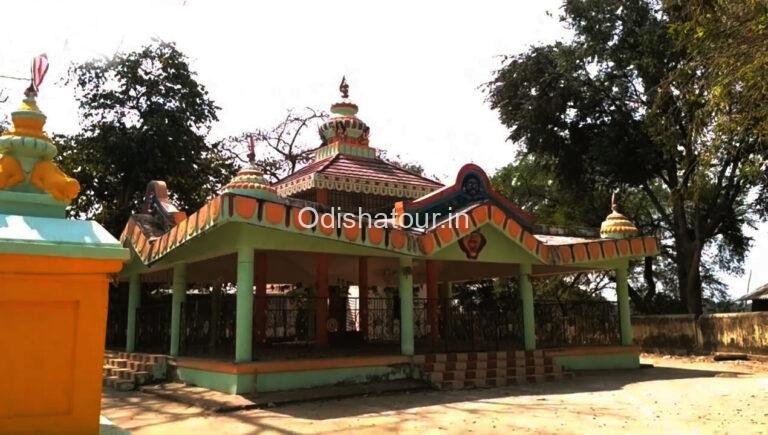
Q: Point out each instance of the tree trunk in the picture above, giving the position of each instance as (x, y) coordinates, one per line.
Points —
(688, 261)
(650, 281)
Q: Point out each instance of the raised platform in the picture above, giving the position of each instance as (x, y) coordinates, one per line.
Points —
(291, 374)
(215, 401)
(596, 357)
(266, 376)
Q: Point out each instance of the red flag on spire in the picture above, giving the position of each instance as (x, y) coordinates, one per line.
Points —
(39, 68)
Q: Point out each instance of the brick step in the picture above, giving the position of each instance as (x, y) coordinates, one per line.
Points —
(530, 355)
(501, 381)
(119, 384)
(491, 373)
(138, 378)
(487, 364)
(127, 370)
(117, 362)
(140, 366)
(134, 356)
(116, 371)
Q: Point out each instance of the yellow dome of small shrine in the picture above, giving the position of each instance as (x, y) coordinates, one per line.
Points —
(616, 225)
(249, 181)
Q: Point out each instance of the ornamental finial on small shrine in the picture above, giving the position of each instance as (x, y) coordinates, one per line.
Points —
(39, 69)
(344, 87)
(26, 162)
(249, 180)
(616, 225)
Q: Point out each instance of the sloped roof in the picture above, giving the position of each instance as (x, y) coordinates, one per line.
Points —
(760, 293)
(283, 214)
(358, 174)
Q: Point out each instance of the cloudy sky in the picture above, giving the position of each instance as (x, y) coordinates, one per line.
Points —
(414, 68)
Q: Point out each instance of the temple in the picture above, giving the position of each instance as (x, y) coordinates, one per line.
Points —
(267, 287)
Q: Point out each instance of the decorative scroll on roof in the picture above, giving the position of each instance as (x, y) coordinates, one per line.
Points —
(472, 186)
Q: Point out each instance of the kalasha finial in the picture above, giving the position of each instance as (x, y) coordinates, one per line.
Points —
(344, 87)
(616, 225)
(39, 69)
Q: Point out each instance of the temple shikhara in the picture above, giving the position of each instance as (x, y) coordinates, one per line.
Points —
(263, 289)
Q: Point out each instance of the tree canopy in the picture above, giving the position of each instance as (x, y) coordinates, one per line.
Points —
(144, 116)
(624, 105)
(284, 147)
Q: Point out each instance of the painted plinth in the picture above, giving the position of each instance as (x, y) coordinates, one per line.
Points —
(266, 376)
(596, 357)
(53, 309)
(54, 275)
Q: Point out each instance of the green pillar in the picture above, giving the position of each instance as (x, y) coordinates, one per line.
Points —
(526, 297)
(622, 296)
(134, 299)
(244, 315)
(179, 292)
(405, 275)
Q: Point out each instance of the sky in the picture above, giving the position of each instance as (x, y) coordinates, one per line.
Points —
(415, 68)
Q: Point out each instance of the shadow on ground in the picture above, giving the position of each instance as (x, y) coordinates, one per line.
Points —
(584, 382)
(391, 412)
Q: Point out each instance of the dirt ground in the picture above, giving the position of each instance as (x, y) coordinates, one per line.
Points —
(678, 395)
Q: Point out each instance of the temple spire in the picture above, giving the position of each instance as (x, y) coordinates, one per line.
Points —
(344, 132)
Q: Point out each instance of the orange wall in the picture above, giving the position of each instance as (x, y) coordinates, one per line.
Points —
(52, 325)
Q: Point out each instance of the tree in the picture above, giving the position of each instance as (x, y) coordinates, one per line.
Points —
(727, 42)
(284, 148)
(617, 107)
(143, 116)
(396, 160)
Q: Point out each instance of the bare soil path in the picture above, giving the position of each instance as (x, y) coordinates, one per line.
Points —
(678, 395)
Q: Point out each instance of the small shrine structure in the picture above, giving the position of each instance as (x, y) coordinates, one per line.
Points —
(266, 287)
(54, 277)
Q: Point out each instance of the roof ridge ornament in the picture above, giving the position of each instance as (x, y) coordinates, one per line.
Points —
(616, 225)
